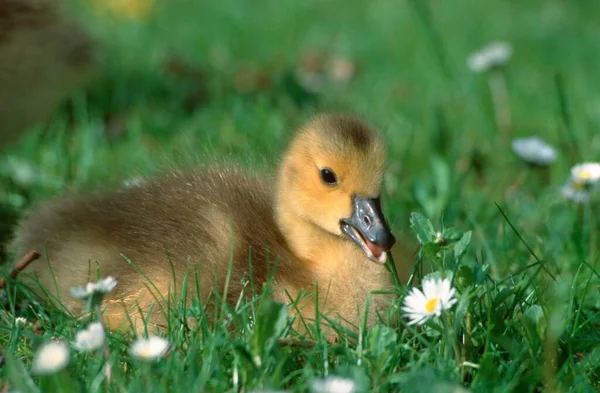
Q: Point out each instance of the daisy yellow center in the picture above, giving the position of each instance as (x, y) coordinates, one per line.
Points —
(431, 303)
(585, 175)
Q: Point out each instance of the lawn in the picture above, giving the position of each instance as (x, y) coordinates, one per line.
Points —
(193, 81)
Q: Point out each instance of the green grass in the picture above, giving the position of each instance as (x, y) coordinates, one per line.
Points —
(528, 318)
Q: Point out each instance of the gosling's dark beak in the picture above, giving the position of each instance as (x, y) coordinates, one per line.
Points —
(368, 229)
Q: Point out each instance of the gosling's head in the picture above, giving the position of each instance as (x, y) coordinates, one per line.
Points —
(332, 177)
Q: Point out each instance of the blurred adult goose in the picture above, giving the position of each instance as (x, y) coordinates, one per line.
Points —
(45, 56)
(318, 221)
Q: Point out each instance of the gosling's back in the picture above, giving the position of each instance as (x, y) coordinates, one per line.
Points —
(160, 226)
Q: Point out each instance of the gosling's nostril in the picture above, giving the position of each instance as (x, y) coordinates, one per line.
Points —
(386, 240)
(367, 220)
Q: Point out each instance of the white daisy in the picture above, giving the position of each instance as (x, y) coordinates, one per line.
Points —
(101, 287)
(333, 385)
(149, 349)
(437, 295)
(20, 322)
(493, 55)
(50, 358)
(534, 150)
(90, 339)
(587, 173)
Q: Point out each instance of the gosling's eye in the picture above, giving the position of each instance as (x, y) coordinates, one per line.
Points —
(328, 177)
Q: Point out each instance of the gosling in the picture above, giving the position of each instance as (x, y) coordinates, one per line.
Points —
(317, 223)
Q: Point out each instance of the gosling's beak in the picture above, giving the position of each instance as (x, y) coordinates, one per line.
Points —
(368, 229)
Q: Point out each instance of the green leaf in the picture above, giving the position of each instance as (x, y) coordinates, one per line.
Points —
(422, 227)
(488, 375)
(424, 380)
(461, 309)
(535, 321)
(515, 347)
(441, 177)
(461, 246)
(504, 294)
(18, 375)
(271, 318)
(451, 234)
(464, 277)
(381, 342)
(425, 199)
(481, 273)
(435, 194)
(558, 311)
